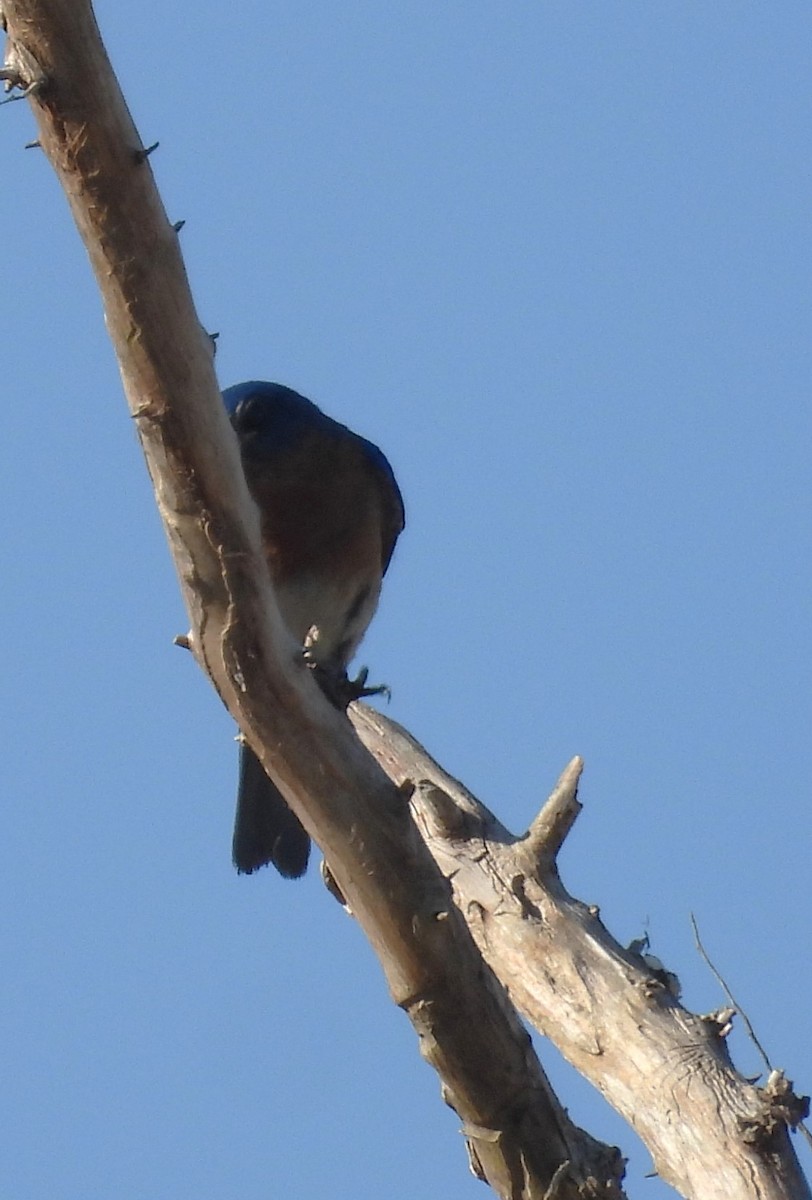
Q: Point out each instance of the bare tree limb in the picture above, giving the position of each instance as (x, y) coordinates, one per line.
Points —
(712, 1134)
(494, 917)
(520, 1138)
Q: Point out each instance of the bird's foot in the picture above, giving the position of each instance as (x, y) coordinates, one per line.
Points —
(339, 689)
(359, 688)
(333, 680)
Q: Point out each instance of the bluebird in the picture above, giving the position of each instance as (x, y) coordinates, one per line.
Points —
(330, 513)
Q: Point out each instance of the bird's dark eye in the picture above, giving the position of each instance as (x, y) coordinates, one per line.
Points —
(250, 415)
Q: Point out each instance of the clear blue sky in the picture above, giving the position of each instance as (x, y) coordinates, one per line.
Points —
(555, 259)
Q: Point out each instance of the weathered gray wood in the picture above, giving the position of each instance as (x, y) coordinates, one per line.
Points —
(712, 1135)
(519, 1136)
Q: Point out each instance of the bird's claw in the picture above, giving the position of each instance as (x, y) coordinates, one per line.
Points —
(339, 689)
(360, 689)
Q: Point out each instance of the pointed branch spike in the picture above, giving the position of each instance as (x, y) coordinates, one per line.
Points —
(547, 834)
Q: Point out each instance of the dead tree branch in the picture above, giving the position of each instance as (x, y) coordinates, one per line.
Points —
(520, 1138)
(711, 1133)
(493, 916)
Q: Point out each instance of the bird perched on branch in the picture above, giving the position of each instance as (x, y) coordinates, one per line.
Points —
(331, 513)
